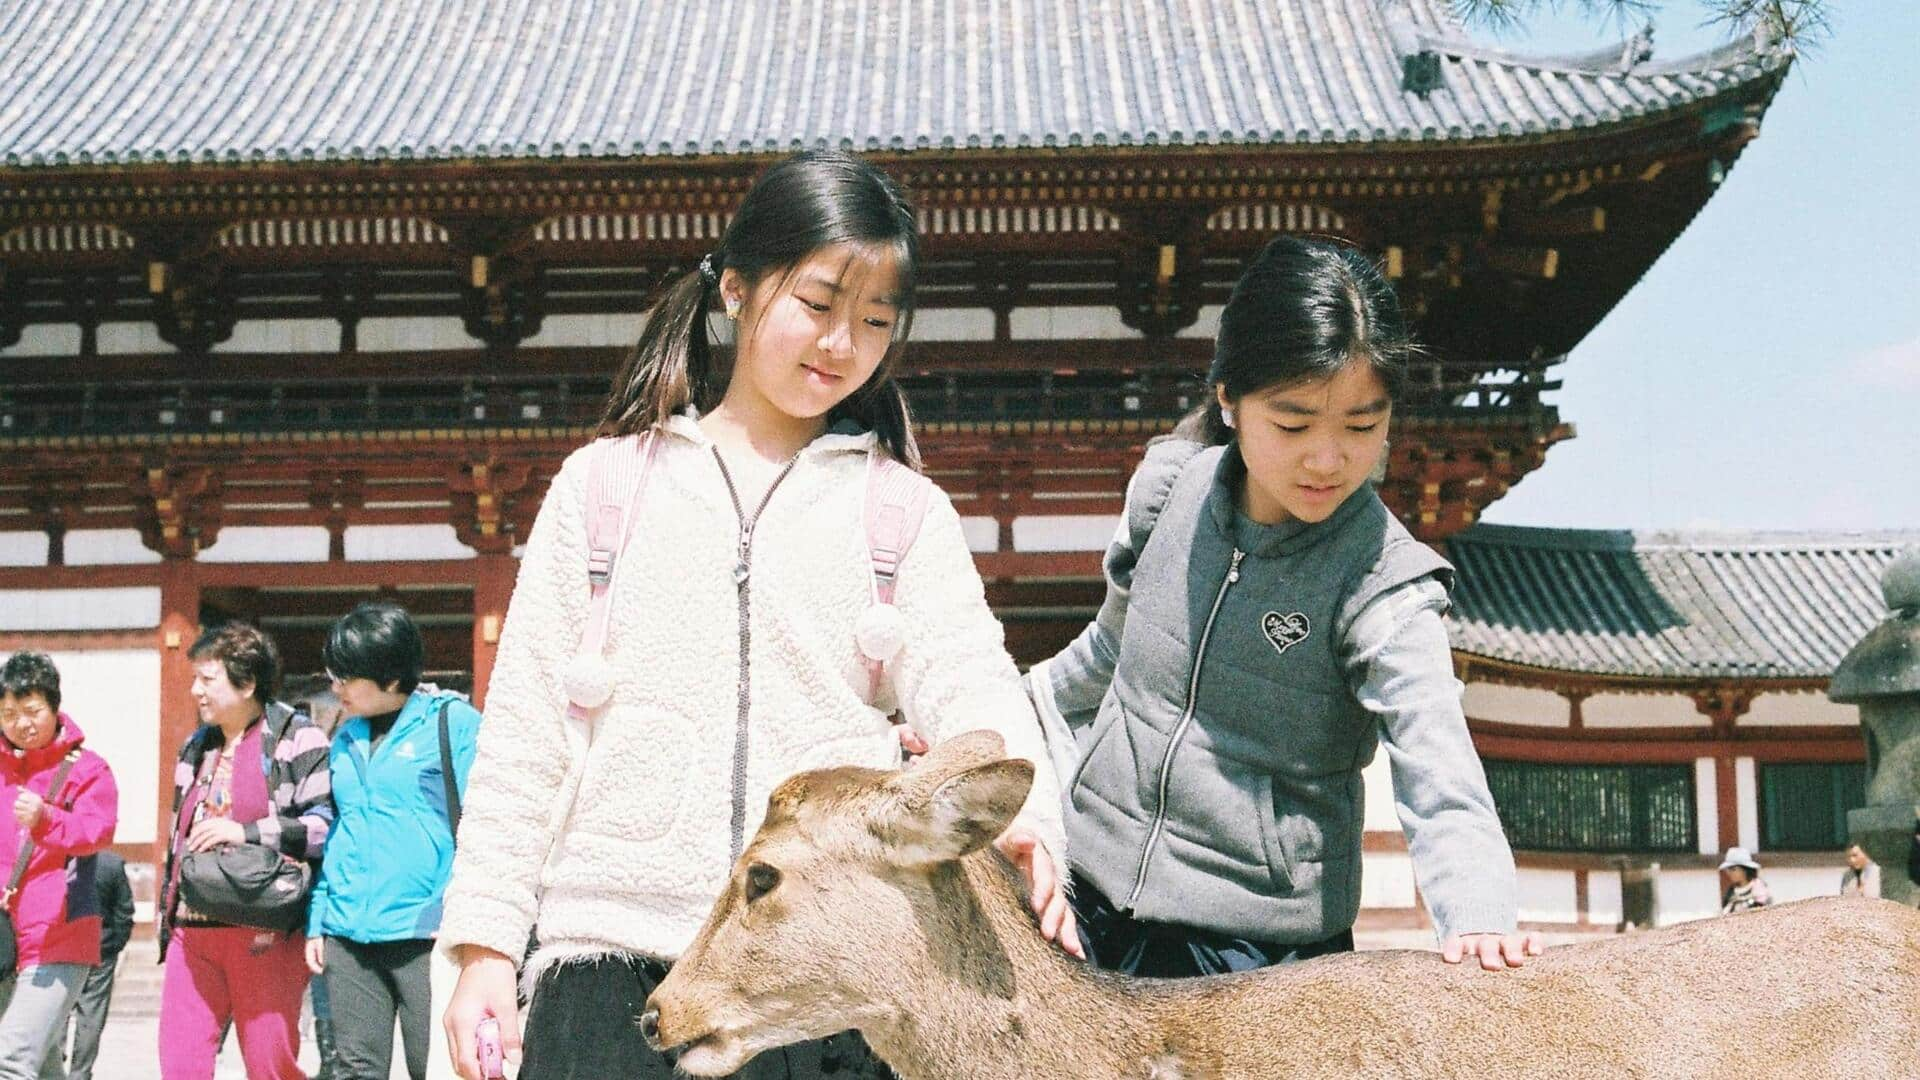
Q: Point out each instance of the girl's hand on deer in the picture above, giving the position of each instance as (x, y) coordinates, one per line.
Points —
(1044, 884)
(1496, 952)
(910, 740)
(486, 988)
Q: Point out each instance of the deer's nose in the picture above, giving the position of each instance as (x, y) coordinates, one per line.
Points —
(650, 1029)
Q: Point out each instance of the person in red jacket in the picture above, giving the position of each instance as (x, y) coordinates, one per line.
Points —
(55, 827)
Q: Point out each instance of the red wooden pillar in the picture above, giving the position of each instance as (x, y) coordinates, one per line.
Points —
(179, 626)
(492, 586)
(1726, 792)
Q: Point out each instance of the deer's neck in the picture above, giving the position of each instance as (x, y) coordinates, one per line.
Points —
(1004, 1004)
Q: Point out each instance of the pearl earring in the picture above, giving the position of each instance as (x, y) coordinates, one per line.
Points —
(733, 308)
(1226, 417)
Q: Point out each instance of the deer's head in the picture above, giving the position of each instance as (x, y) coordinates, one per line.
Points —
(852, 875)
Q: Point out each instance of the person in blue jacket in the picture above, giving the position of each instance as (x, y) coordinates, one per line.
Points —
(376, 905)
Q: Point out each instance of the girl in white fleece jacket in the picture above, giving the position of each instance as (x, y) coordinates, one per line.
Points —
(731, 641)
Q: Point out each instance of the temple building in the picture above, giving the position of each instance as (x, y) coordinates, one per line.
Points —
(290, 316)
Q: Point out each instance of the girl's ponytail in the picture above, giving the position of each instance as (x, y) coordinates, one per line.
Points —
(881, 407)
(672, 364)
(1205, 425)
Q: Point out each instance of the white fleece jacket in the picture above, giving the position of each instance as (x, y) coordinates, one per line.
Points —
(634, 861)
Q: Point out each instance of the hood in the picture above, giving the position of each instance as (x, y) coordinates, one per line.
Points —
(32, 761)
(844, 436)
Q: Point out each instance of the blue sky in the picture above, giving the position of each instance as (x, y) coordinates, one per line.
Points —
(1765, 374)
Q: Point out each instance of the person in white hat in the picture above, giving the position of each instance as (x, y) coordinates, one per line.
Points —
(1745, 891)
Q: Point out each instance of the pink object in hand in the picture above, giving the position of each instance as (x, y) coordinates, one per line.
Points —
(486, 1038)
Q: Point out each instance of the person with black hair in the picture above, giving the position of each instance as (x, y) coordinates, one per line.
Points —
(742, 635)
(377, 903)
(64, 807)
(1267, 623)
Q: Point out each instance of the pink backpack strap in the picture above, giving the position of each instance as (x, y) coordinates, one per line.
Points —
(896, 503)
(616, 476)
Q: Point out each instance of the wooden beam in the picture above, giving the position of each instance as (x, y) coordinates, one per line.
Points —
(1554, 222)
(1532, 262)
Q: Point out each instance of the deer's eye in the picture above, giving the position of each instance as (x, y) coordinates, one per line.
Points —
(761, 880)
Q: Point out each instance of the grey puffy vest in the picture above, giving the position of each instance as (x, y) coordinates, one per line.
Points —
(1219, 784)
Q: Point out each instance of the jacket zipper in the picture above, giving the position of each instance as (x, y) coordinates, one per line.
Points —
(742, 581)
(1180, 729)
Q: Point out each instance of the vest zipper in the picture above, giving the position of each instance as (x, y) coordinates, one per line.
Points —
(1180, 729)
(742, 582)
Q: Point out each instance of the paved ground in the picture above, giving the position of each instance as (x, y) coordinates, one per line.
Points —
(127, 1052)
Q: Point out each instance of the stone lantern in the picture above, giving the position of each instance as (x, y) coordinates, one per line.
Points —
(1882, 676)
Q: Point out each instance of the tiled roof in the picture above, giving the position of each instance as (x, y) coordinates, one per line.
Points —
(1669, 605)
(118, 81)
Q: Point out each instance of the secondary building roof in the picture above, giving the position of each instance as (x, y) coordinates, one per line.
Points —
(116, 82)
(1669, 605)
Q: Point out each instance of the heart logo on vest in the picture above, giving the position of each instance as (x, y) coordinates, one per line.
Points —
(1285, 631)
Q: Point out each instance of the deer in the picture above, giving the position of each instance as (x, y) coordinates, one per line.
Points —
(875, 901)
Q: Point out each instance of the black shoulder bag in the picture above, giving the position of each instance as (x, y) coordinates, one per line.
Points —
(9, 943)
(446, 773)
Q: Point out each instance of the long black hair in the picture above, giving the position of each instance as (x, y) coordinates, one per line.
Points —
(1300, 312)
(810, 201)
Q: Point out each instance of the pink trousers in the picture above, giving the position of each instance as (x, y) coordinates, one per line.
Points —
(253, 979)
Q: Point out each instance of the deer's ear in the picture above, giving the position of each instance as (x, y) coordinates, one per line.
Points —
(959, 816)
(962, 751)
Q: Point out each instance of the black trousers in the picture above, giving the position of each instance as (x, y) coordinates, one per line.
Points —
(368, 986)
(1116, 941)
(89, 1020)
(582, 1025)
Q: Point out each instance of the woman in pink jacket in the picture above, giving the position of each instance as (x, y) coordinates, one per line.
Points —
(56, 916)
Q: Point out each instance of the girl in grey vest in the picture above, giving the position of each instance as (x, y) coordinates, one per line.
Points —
(1267, 624)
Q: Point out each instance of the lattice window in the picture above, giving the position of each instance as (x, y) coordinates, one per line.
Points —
(1804, 807)
(1603, 808)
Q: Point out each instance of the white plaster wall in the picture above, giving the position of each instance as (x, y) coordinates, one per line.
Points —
(1603, 897)
(376, 543)
(47, 339)
(1515, 705)
(1386, 880)
(982, 533)
(105, 547)
(1547, 895)
(1378, 778)
(114, 697)
(1070, 323)
(1064, 532)
(1684, 895)
(1746, 788)
(261, 543)
(1801, 882)
(953, 324)
(1706, 805)
(586, 330)
(283, 336)
(131, 608)
(130, 337)
(412, 334)
(1641, 710)
(1807, 708)
(23, 549)
(1207, 325)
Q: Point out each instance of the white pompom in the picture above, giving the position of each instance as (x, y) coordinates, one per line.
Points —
(880, 633)
(588, 680)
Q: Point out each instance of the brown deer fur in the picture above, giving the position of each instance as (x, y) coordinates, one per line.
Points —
(877, 905)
